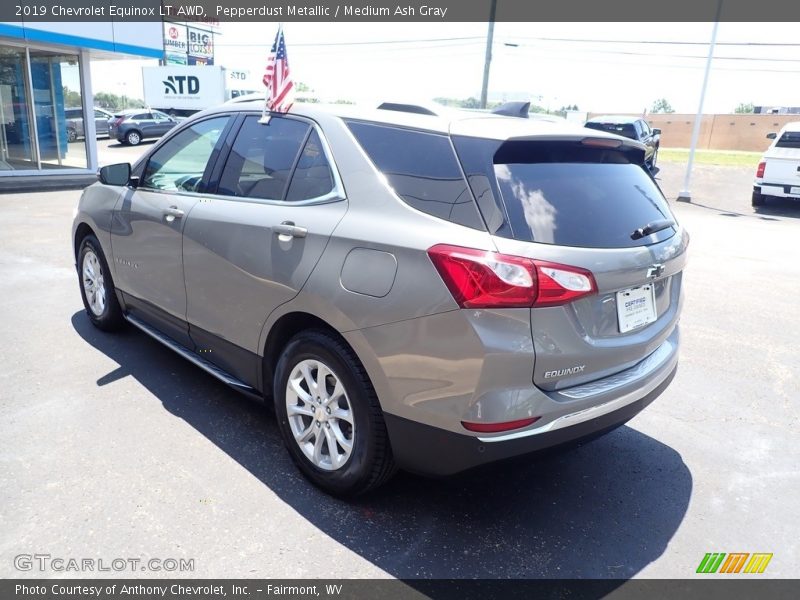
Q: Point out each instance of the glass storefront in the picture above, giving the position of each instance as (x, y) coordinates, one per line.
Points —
(41, 111)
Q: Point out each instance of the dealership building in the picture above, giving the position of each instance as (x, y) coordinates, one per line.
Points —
(46, 86)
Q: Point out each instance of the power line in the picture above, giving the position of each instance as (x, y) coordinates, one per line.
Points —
(654, 54)
(658, 42)
(368, 43)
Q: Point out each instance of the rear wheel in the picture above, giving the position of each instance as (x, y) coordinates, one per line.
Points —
(72, 135)
(759, 199)
(97, 287)
(133, 138)
(329, 416)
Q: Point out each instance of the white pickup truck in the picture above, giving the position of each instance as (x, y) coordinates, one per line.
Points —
(778, 173)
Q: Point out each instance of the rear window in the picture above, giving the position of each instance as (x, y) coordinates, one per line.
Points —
(422, 169)
(566, 194)
(789, 139)
(73, 113)
(624, 129)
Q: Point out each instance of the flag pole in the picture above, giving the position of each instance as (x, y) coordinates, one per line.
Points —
(685, 195)
(265, 117)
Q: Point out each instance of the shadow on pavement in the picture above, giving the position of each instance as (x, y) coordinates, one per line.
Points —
(775, 207)
(779, 207)
(604, 510)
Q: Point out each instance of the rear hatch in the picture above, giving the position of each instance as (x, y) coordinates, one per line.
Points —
(585, 204)
(783, 160)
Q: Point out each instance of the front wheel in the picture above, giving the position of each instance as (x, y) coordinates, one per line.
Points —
(97, 287)
(329, 416)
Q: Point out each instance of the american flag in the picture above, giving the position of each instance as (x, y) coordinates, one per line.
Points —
(276, 78)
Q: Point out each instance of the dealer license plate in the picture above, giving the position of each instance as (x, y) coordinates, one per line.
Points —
(636, 307)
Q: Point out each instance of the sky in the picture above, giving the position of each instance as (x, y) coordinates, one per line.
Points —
(601, 67)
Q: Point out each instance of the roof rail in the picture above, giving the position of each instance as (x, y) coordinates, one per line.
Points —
(513, 109)
(409, 108)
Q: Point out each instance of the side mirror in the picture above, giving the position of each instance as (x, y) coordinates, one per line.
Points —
(118, 174)
(772, 135)
(656, 131)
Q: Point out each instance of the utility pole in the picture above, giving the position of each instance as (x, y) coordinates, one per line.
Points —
(685, 195)
(488, 60)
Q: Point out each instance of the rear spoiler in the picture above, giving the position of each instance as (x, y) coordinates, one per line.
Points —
(513, 109)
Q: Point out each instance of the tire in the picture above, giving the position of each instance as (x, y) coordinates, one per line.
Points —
(72, 135)
(133, 138)
(97, 288)
(759, 199)
(369, 462)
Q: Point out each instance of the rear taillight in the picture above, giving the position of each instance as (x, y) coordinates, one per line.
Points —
(118, 121)
(760, 170)
(484, 279)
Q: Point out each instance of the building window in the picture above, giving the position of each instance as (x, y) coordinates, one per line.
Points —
(41, 111)
(16, 134)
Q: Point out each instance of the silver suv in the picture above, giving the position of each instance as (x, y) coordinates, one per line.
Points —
(422, 291)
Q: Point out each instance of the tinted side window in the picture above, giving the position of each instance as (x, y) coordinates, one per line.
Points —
(262, 158)
(789, 139)
(624, 129)
(141, 117)
(180, 163)
(312, 176)
(422, 169)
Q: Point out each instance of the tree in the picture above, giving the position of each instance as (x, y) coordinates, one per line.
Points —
(662, 106)
(745, 108)
(113, 102)
(71, 98)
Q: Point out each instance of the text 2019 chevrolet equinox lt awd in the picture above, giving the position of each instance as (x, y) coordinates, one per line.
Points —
(413, 291)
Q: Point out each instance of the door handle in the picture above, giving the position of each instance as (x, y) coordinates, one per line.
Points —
(172, 213)
(288, 228)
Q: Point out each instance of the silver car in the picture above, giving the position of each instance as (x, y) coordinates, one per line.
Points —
(411, 290)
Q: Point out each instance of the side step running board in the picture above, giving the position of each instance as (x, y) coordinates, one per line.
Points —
(211, 369)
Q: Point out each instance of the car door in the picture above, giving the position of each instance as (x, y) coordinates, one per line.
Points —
(101, 122)
(162, 123)
(147, 226)
(252, 245)
(647, 139)
(146, 124)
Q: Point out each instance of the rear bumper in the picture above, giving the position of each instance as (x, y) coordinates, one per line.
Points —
(778, 190)
(433, 451)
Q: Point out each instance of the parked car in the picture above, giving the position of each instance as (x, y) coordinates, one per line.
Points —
(633, 128)
(136, 124)
(74, 118)
(778, 172)
(409, 290)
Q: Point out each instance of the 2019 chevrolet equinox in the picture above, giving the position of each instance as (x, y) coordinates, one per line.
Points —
(425, 291)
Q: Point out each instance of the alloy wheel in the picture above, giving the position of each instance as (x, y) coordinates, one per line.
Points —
(93, 283)
(320, 414)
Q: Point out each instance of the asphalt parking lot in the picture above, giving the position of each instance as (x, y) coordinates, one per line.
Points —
(115, 447)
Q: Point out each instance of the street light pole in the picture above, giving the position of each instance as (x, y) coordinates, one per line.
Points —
(488, 60)
(685, 195)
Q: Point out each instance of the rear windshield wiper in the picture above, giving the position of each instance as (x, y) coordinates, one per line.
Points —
(651, 228)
